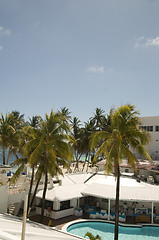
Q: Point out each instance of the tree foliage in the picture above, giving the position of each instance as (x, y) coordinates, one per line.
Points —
(124, 132)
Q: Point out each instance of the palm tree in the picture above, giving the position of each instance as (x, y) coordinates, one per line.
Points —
(35, 121)
(115, 145)
(91, 237)
(51, 148)
(87, 131)
(26, 135)
(77, 134)
(10, 125)
(98, 119)
(65, 113)
(17, 120)
(7, 133)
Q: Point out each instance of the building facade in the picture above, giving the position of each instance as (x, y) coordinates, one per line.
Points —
(151, 124)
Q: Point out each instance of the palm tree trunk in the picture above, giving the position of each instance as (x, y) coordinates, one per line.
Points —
(34, 194)
(85, 161)
(117, 204)
(9, 153)
(43, 198)
(30, 189)
(88, 163)
(3, 151)
(77, 161)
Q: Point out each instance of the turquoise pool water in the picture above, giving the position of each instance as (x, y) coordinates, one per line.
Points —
(106, 231)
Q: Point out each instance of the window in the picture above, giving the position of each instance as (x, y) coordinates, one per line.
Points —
(157, 128)
(148, 128)
(143, 127)
(64, 205)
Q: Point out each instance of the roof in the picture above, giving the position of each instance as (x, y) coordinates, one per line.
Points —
(74, 178)
(72, 186)
(11, 227)
(130, 189)
(63, 193)
(103, 186)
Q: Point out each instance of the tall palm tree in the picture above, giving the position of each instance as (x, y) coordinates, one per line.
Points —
(35, 121)
(65, 113)
(77, 134)
(87, 131)
(51, 147)
(10, 124)
(115, 145)
(98, 118)
(7, 133)
(17, 120)
(25, 147)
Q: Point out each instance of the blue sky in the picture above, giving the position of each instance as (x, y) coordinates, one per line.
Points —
(81, 54)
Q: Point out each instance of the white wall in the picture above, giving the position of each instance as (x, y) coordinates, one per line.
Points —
(73, 202)
(3, 199)
(15, 198)
(153, 147)
(57, 214)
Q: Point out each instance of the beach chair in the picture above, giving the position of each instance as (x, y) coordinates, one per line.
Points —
(122, 218)
(112, 216)
(92, 214)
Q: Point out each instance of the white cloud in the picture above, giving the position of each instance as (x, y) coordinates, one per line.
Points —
(153, 42)
(4, 32)
(95, 69)
(142, 42)
(1, 47)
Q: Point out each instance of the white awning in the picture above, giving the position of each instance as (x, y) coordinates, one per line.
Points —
(142, 193)
(63, 193)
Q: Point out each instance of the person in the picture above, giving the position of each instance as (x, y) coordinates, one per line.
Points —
(48, 213)
(50, 223)
(97, 205)
(154, 211)
(125, 207)
(154, 214)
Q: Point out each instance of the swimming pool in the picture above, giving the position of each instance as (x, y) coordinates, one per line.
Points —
(106, 231)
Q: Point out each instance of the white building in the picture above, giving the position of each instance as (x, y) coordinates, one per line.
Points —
(151, 124)
(79, 191)
(3, 189)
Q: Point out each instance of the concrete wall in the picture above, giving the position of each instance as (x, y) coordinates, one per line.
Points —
(73, 202)
(3, 199)
(57, 214)
(17, 197)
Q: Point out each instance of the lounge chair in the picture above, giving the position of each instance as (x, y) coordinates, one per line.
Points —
(122, 218)
(92, 214)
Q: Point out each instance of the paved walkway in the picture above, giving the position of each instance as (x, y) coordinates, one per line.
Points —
(59, 223)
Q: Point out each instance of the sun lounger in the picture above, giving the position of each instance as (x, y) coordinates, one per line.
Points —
(103, 215)
(112, 216)
(122, 218)
(92, 214)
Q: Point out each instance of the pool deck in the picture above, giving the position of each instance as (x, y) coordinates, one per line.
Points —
(59, 223)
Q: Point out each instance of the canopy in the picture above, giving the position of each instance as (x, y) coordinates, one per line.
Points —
(63, 193)
(142, 193)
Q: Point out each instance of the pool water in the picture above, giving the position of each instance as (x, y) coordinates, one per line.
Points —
(106, 231)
